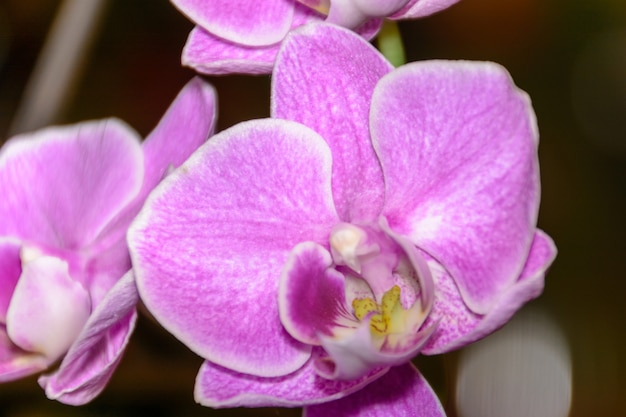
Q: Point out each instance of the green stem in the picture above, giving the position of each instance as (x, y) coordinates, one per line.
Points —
(390, 43)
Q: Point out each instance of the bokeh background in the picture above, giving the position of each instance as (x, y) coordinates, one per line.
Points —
(569, 55)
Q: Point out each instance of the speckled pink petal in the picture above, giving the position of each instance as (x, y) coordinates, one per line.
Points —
(458, 146)
(246, 22)
(209, 246)
(324, 78)
(218, 387)
(402, 391)
(93, 357)
(16, 363)
(459, 326)
(212, 55)
(312, 295)
(187, 124)
(421, 8)
(62, 185)
(209, 54)
(10, 271)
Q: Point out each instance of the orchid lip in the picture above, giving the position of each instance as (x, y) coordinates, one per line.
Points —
(367, 298)
(48, 308)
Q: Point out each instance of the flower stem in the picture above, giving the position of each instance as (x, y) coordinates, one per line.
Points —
(390, 43)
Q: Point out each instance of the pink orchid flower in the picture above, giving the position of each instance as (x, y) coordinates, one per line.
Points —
(243, 36)
(380, 213)
(68, 196)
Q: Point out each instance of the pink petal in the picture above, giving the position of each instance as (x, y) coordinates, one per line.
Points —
(459, 326)
(312, 295)
(16, 363)
(187, 124)
(209, 54)
(62, 185)
(93, 357)
(421, 8)
(48, 308)
(247, 22)
(209, 246)
(458, 146)
(400, 392)
(218, 387)
(324, 78)
(10, 271)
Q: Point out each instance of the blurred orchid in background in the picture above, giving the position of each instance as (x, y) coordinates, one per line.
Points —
(243, 36)
(380, 213)
(68, 196)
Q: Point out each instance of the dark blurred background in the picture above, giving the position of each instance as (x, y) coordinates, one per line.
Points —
(569, 55)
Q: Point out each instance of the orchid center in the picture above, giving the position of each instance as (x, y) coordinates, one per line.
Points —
(384, 318)
(364, 298)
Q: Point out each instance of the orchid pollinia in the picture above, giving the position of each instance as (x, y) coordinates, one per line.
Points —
(378, 214)
(243, 36)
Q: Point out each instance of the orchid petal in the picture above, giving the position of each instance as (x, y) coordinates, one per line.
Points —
(10, 271)
(246, 22)
(218, 387)
(69, 182)
(93, 357)
(421, 8)
(208, 54)
(459, 326)
(210, 243)
(48, 308)
(402, 391)
(458, 146)
(187, 124)
(324, 78)
(312, 295)
(16, 363)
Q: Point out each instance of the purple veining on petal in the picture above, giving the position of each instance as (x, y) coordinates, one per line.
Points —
(247, 22)
(218, 387)
(458, 146)
(311, 296)
(41, 172)
(210, 244)
(459, 326)
(335, 103)
(402, 391)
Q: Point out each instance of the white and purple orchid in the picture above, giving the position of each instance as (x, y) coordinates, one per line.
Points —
(68, 196)
(243, 36)
(380, 213)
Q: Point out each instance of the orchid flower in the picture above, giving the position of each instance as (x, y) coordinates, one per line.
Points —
(243, 36)
(380, 213)
(68, 196)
